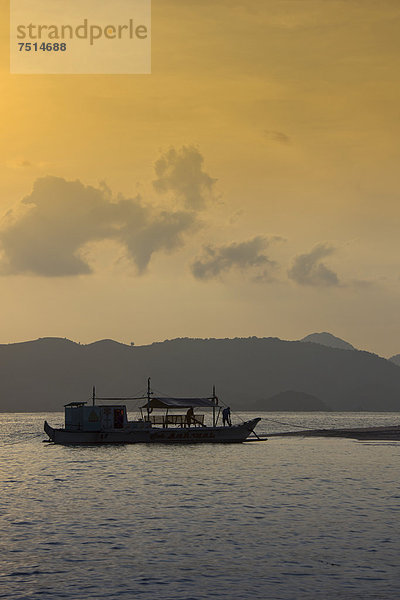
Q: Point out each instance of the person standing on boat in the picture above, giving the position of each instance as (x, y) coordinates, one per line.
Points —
(189, 416)
(226, 417)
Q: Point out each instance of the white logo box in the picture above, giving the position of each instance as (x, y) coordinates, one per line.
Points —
(80, 37)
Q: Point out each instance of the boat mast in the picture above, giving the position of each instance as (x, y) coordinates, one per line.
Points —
(214, 400)
(94, 395)
(148, 398)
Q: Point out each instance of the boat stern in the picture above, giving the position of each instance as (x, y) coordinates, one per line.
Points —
(49, 430)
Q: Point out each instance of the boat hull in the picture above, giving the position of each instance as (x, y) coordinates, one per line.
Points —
(158, 435)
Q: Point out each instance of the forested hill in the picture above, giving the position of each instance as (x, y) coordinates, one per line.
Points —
(44, 374)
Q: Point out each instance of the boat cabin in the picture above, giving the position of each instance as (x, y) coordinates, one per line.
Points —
(168, 411)
(80, 417)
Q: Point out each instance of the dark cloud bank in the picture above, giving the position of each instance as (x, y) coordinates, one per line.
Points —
(47, 233)
(308, 268)
(249, 256)
(181, 172)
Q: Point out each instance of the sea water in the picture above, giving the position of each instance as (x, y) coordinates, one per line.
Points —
(288, 518)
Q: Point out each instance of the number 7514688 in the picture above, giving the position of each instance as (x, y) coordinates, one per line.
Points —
(44, 47)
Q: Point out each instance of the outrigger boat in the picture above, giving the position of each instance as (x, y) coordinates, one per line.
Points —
(108, 423)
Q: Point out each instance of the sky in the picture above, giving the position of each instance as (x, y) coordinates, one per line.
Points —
(248, 186)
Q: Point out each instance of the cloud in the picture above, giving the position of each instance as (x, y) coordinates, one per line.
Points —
(307, 269)
(24, 163)
(277, 136)
(249, 255)
(47, 232)
(165, 232)
(181, 172)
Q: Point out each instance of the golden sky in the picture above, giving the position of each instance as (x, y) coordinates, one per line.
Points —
(248, 186)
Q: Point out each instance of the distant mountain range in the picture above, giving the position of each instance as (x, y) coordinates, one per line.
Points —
(395, 359)
(327, 339)
(44, 374)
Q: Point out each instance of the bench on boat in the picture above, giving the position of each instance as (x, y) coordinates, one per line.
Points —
(181, 420)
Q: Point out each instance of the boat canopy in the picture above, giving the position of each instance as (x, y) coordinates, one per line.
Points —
(179, 403)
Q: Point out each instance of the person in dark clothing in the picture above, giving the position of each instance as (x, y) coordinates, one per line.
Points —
(226, 417)
(189, 417)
